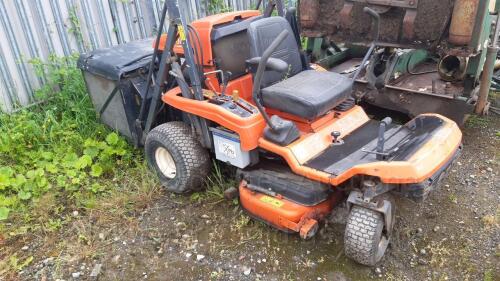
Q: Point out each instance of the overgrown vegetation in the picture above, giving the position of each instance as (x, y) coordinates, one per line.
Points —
(221, 178)
(217, 6)
(477, 122)
(59, 147)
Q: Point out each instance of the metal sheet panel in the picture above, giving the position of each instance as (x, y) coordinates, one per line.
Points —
(38, 28)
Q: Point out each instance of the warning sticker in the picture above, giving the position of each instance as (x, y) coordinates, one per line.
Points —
(272, 201)
(182, 33)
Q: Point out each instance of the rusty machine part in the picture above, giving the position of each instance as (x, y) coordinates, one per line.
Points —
(453, 68)
(462, 22)
(415, 24)
(310, 12)
(383, 6)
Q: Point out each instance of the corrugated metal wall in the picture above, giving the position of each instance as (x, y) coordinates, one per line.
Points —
(38, 28)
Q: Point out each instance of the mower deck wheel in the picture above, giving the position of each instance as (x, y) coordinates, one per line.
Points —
(364, 240)
(178, 159)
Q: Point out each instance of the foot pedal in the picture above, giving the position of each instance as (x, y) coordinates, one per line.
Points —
(285, 131)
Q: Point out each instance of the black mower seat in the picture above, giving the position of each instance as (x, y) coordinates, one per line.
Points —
(309, 94)
(300, 92)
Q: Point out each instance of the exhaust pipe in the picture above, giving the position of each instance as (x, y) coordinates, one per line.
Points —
(452, 68)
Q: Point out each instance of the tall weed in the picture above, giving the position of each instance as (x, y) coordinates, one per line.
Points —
(57, 146)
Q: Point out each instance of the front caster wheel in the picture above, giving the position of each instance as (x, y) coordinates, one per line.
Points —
(178, 159)
(364, 240)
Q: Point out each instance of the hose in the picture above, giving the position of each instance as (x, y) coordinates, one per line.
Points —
(417, 73)
(197, 49)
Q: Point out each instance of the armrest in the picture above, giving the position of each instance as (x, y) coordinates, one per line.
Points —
(272, 64)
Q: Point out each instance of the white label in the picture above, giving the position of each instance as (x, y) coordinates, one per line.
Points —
(227, 149)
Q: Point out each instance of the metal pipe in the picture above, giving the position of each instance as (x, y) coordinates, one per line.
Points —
(56, 12)
(45, 29)
(140, 19)
(104, 23)
(131, 29)
(7, 81)
(153, 61)
(497, 29)
(116, 21)
(21, 12)
(14, 46)
(482, 11)
(453, 68)
(71, 7)
(488, 69)
(90, 24)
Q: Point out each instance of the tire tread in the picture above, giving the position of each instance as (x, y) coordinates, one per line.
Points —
(360, 240)
(194, 159)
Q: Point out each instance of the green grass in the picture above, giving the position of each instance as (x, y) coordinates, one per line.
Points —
(221, 178)
(488, 275)
(59, 147)
(477, 122)
(57, 159)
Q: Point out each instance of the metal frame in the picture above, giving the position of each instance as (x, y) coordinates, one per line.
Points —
(177, 26)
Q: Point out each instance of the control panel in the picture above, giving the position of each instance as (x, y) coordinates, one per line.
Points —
(233, 104)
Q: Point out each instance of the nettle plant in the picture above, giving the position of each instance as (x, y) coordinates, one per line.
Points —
(58, 146)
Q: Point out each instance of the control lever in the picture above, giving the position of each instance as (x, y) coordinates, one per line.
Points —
(336, 140)
(381, 139)
(225, 81)
(376, 34)
(225, 75)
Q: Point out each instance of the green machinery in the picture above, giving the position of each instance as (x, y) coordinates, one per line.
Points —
(430, 57)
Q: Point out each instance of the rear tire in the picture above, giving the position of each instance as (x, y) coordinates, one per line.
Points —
(364, 240)
(178, 159)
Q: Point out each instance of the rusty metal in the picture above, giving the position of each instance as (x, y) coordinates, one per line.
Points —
(409, 93)
(382, 6)
(412, 4)
(462, 21)
(453, 68)
(345, 15)
(411, 103)
(309, 12)
(409, 23)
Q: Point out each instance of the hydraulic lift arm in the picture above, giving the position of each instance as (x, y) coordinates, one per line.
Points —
(177, 29)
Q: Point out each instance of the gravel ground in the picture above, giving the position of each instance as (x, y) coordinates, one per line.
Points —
(453, 235)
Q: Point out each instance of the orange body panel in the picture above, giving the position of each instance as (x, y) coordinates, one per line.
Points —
(281, 213)
(315, 134)
(204, 27)
(249, 129)
(423, 164)
(163, 42)
(243, 85)
(435, 153)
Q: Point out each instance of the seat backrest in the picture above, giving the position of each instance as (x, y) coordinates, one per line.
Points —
(261, 33)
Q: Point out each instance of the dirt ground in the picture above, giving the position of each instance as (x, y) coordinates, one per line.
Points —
(453, 235)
